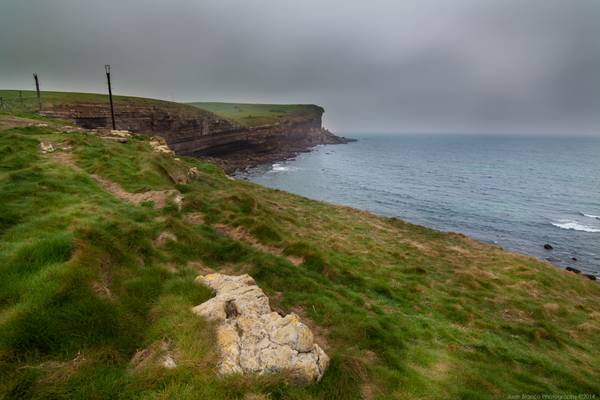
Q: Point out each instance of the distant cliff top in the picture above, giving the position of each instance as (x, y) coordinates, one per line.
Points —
(248, 115)
(25, 101)
(244, 114)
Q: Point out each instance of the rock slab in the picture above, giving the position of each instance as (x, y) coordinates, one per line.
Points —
(252, 338)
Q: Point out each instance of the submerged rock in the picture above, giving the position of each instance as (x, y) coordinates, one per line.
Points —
(252, 338)
(548, 246)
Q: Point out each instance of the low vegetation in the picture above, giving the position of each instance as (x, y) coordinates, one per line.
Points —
(404, 311)
(249, 115)
(25, 102)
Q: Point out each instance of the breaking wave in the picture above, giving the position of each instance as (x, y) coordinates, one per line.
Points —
(282, 168)
(574, 226)
(591, 216)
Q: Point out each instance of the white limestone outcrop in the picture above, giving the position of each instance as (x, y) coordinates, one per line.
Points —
(252, 338)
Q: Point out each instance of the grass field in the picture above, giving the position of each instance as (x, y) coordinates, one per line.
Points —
(405, 312)
(259, 114)
(26, 101)
(248, 115)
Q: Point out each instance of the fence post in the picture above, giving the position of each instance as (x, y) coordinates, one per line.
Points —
(37, 89)
(112, 110)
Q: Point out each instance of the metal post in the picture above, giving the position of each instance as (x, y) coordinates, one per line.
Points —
(37, 89)
(112, 110)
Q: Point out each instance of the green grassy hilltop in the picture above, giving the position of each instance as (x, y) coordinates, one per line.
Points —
(259, 114)
(90, 275)
(25, 101)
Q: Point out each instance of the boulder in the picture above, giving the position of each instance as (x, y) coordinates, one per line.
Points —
(590, 277)
(574, 270)
(252, 338)
(548, 246)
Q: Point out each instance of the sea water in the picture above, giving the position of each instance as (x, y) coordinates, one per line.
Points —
(519, 192)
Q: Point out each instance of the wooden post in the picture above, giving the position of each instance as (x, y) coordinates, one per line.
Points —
(112, 110)
(37, 90)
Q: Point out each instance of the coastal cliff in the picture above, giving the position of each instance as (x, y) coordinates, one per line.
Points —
(190, 130)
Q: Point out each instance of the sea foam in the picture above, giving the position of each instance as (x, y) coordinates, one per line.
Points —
(279, 168)
(574, 226)
(591, 216)
(282, 168)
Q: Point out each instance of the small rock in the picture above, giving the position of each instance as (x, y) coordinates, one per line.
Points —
(168, 362)
(193, 172)
(47, 147)
(574, 258)
(157, 354)
(120, 133)
(590, 277)
(159, 145)
(178, 200)
(574, 270)
(548, 246)
(165, 237)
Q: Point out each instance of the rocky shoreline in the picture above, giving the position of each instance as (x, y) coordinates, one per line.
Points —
(243, 160)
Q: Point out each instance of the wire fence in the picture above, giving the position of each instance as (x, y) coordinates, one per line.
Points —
(18, 101)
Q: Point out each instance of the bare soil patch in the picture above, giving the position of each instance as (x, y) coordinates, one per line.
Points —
(195, 218)
(158, 197)
(10, 121)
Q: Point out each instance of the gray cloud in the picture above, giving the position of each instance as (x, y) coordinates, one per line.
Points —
(383, 65)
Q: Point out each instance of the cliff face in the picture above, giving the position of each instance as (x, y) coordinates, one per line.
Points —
(194, 132)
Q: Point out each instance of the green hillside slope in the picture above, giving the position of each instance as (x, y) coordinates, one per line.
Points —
(90, 275)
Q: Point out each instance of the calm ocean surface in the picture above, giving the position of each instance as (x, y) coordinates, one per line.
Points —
(518, 192)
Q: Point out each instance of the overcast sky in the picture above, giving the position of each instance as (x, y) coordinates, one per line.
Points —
(488, 66)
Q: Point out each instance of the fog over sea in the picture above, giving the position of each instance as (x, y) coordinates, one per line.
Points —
(519, 192)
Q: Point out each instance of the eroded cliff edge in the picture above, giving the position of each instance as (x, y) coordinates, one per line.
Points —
(193, 131)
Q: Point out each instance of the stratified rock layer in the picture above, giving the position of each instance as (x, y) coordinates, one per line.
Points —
(190, 131)
(252, 338)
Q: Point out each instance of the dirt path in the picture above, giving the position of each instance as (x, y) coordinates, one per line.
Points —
(10, 121)
(240, 234)
(159, 197)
